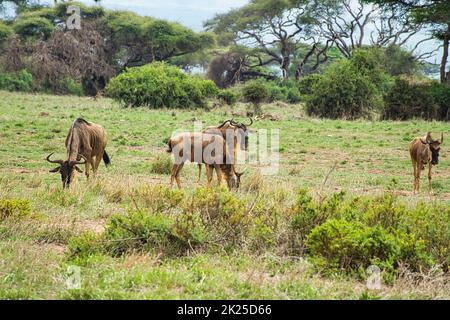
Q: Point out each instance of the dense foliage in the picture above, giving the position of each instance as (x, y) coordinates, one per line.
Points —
(338, 234)
(158, 85)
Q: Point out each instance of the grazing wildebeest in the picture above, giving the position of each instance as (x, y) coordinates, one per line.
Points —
(424, 151)
(239, 133)
(209, 149)
(85, 141)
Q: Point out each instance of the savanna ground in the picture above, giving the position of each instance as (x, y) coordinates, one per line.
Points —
(361, 157)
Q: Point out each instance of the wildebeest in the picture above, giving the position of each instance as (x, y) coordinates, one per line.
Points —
(239, 133)
(209, 149)
(85, 141)
(424, 151)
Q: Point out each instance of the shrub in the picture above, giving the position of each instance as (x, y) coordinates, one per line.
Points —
(14, 208)
(5, 34)
(139, 231)
(255, 92)
(160, 85)
(162, 165)
(306, 84)
(72, 87)
(85, 245)
(33, 27)
(441, 96)
(410, 98)
(227, 96)
(352, 246)
(343, 92)
(19, 81)
(308, 214)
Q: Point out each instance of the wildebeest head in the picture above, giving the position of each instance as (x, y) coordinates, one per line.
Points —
(66, 169)
(435, 147)
(234, 179)
(243, 132)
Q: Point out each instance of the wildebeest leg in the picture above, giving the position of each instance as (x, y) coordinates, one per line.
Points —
(177, 175)
(430, 188)
(173, 173)
(209, 174)
(219, 173)
(415, 176)
(418, 171)
(98, 159)
(200, 172)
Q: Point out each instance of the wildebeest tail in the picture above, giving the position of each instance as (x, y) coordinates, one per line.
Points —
(169, 143)
(106, 159)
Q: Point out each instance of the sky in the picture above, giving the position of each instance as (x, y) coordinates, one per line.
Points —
(191, 13)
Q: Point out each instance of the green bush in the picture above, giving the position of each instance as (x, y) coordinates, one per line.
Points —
(14, 208)
(159, 85)
(33, 27)
(139, 231)
(85, 245)
(255, 92)
(441, 96)
(72, 87)
(306, 84)
(19, 81)
(410, 98)
(352, 246)
(308, 214)
(343, 92)
(227, 96)
(162, 165)
(5, 33)
(336, 233)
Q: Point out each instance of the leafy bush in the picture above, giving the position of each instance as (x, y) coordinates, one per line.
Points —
(306, 84)
(255, 92)
(5, 33)
(410, 98)
(14, 208)
(336, 233)
(147, 232)
(339, 244)
(228, 96)
(72, 87)
(343, 92)
(33, 27)
(162, 165)
(441, 96)
(159, 85)
(19, 81)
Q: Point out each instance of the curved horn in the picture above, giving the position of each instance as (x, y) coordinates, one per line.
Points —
(251, 122)
(53, 161)
(231, 120)
(79, 162)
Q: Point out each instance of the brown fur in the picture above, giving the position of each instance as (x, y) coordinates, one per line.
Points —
(222, 166)
(238, 128)
(424, 151)
(85, 140)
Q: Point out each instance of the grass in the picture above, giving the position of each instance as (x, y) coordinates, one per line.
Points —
(367, 157)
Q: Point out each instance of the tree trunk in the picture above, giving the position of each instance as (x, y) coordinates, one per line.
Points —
(445, 76)
(285, 67)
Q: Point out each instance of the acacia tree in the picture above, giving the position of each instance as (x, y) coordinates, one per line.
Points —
(435, 15)
(274, 27)
(359, 24)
